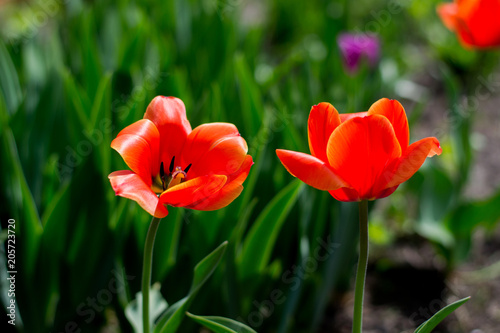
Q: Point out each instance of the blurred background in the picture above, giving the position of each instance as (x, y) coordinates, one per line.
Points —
(74, 73)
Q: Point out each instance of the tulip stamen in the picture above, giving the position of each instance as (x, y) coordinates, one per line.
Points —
(175, 176)
(162, 170)
(172, 163)
(162, 176)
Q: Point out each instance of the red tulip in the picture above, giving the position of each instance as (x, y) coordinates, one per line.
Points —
(171, 164)
(359, 156)
(477, 22)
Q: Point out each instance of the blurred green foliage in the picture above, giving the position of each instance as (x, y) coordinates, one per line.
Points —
(74, 73)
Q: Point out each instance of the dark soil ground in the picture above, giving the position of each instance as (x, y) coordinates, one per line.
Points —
(414, 287)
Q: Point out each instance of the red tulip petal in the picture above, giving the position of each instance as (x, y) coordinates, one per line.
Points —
(359, 150)
(448, 13)
(386, 192)
(193, 190)
(215, 148)
(476, 22)
(169, 116)
(394, 111)
(345, 194)
(311, 170)
(129, 185)
(479, 25)
(346, 116)
(240, 175)
(348, 194)
(323, 119)
(229, 192)
(411, 161)
(138, 144)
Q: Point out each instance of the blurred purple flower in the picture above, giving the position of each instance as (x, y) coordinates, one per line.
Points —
(355, 46)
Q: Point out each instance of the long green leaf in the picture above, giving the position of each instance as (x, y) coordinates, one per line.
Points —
(258, 147)
(79, 100)
(51, 250)
(167, 243)
(4, 115)
(429, 325)
(172, 319)
(28, 224)
(100, 123)
(250, 95)
(28, 228)
(9, 81)
(90, 56)
(261, 238)
(102, 100)
(221, 324)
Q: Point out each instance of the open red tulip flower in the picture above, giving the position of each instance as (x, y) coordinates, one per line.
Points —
(171, 164)
(359, 156)
(476, 22)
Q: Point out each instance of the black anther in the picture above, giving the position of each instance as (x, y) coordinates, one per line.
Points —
(172, 164)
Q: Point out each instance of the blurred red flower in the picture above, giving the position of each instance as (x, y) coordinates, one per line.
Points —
(171, 164)
(477, 22)
(359, 156)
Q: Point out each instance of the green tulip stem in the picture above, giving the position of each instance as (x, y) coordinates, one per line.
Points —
(357, 321)
(146, 271)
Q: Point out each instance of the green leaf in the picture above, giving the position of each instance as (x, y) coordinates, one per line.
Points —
(429, 325)
(9, 81)
(461, 129)
(130, 48)
(206, 267)
(434, 199)
(252, 109)
(28, 228)
(102, 100)
(171, 320)
(342, 241)
(221, 324)
(100, 123)
(231, 269)
(4, 115)
(258, 147)
(88, 255)
(28, 225)
(90, 53)
(280, 113)
(157, 305)
(79, 100)
(468, 215)
(51, 250)
(261, 238)
(167, 243)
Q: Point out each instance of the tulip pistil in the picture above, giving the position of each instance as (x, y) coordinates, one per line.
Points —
(176, 177)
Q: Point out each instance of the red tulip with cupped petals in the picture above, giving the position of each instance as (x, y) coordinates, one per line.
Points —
(476, 22)
(359, 156)
(171, 164)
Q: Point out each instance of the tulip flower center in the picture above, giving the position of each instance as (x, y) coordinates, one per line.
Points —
(164, 181)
